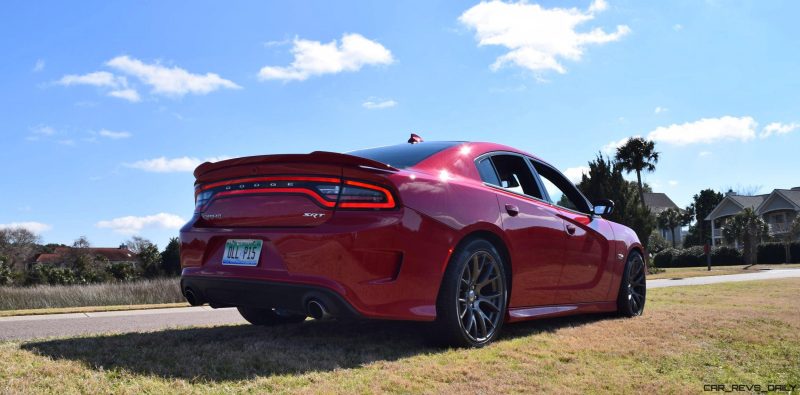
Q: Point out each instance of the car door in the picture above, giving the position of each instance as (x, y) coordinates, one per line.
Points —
(589, 249)
(535, 231)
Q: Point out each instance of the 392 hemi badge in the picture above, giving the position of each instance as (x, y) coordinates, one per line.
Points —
(211, 216)
(314, 215)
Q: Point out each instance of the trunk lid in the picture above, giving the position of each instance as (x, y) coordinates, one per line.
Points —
(296, 190)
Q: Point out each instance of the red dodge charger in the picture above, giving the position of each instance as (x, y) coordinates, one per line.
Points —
(467, 235)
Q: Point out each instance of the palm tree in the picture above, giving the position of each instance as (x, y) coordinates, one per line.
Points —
(638, 154)
(672, 218)
(747, 228)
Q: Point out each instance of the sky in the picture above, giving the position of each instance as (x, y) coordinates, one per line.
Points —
(106, 107)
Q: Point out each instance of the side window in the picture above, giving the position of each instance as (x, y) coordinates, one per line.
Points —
(562, 192)
(515, 175)
(486, 170)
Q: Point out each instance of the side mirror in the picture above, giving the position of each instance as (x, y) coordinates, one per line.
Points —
(602, 207)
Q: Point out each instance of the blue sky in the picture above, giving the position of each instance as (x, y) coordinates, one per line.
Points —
(106, 106)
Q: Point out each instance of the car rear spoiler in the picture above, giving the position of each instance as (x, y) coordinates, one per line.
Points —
(324, 157)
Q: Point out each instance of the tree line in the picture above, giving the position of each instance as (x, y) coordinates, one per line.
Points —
(80, 265)
(638, 155)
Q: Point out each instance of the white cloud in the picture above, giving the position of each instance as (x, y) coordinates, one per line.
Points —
(98, 78)
(660, 110)
(378, 104)
(170, 81)
(43, 130)
(706, 130)
(114, 135)
(677, 27)
(35, 227)
(778, 128)
(171, 165)
(672, 183)
(132, 224)
(39, 66)
(537, 37)
(575, 174)
(128, 94)
(313, 58)
(703, 154)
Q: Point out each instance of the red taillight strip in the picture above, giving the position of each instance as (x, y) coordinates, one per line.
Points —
(275, 178)
(303, 191)
(389, 203)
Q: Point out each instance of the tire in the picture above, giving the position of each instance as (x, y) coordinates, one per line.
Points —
(267, 317)
(633, 287)
(471, 307)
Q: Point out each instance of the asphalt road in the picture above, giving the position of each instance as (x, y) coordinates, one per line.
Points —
(65, 325)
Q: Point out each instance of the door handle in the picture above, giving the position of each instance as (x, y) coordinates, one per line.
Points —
(512, 210)
(571, 229)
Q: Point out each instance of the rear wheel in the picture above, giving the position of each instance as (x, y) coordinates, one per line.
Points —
(633, 287)
(471, 305)
(259, 316)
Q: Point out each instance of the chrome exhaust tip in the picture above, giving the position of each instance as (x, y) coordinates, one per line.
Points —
(317, 310)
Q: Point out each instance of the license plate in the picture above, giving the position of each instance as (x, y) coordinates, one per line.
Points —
(242, 252)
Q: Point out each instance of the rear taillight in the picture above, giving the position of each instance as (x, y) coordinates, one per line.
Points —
(327, 192)
(362, 195)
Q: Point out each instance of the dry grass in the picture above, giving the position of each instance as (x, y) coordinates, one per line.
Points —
(90, 309)
(747, 332)
(162, 290)
(702, 271)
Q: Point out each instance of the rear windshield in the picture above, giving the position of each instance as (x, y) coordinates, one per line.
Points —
(403, 155)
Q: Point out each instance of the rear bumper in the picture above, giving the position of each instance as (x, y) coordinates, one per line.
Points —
(381, 264)
(265, 294)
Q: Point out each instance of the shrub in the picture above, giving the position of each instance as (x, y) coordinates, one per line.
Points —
(695, 256)
(656, 243)
(122, 271)
(664, 258)
(48, 274)
(6, 275)
(771, 253)
(721, 256)
(775, 252)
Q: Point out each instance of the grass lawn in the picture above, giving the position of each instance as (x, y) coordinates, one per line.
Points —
(702, 271)
(736, 333)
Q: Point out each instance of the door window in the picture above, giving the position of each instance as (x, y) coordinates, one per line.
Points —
(514, 175)
(560, 190)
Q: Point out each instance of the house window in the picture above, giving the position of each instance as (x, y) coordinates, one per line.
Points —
(777, 218)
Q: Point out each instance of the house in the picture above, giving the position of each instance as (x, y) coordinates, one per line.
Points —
(658, 202)
(778, 209)
(62, 254)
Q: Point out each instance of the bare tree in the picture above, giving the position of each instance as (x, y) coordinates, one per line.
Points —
(81, 242)
(138, 244)
(18, 245)
(787, 232)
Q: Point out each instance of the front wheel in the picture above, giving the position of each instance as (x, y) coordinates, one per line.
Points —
(267, 317)
(471, 305)
(633, 287)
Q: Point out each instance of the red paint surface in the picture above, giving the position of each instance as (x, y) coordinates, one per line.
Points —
(389, 263)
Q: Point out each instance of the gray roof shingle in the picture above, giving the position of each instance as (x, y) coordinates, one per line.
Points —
(658, 202)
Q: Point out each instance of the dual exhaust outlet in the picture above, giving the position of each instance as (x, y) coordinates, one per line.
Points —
(315, 308)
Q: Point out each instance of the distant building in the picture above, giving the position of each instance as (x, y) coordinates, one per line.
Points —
(62, 254)
(658, 202)
(778, 209)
